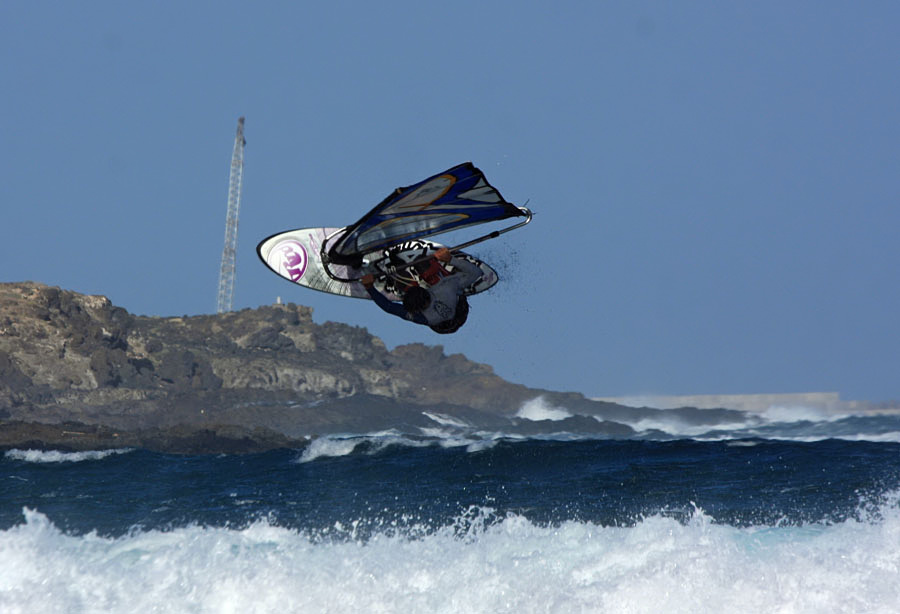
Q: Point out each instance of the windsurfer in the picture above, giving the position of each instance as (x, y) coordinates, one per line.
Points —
(442, 306)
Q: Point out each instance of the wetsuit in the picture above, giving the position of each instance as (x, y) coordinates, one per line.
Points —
(444, 295)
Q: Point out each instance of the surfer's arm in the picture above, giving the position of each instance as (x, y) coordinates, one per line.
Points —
(387, 305)
(464, 272)
(468, 273)
(394, 308)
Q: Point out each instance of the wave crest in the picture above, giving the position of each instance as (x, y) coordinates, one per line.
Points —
(479, 562)
(56, 456)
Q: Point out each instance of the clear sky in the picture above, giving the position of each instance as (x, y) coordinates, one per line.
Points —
(715, 184)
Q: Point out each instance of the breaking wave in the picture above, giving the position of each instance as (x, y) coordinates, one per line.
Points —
(543, 418)
(478, 562)
(539, 409)
(56, 456)
(343, 445)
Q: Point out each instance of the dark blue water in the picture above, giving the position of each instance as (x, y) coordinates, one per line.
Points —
(609, 483)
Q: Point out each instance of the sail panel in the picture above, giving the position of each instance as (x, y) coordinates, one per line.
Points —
(457, 198)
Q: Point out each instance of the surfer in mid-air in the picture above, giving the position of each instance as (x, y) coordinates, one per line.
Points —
(442, 306)
(389, 255)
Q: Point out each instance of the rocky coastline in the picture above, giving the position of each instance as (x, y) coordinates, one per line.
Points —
(78, 373)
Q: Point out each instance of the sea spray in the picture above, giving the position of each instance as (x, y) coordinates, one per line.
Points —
(460, 521)
(481, 562)
(540, 409)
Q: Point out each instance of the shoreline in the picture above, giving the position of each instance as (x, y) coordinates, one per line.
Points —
(180, 439)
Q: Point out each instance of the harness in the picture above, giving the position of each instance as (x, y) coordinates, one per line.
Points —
(434, 272)
(403, 276)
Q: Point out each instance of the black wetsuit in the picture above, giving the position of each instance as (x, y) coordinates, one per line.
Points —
(444, 295)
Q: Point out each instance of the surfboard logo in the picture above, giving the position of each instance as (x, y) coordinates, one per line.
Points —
(289, 259)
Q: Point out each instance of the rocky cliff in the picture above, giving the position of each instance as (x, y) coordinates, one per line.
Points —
(78, 372)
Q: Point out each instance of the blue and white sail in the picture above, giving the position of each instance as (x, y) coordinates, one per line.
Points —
(457, 198)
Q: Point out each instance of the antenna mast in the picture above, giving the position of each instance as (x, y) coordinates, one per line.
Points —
(226, 273)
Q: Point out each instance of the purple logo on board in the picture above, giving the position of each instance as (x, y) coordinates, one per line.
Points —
(289, 259)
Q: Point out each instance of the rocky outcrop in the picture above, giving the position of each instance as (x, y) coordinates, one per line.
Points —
(268, 375)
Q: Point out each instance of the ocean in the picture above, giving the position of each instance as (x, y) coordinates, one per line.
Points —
(788, 511)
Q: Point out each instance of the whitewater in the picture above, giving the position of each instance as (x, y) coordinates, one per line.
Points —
(780, 512)
(510, 565)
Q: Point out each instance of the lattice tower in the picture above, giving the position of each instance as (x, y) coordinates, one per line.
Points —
(225, 296)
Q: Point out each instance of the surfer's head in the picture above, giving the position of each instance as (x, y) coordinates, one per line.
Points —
(459, 318)
(416, 299)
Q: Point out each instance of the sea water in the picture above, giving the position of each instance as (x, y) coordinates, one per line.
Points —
(768, 516)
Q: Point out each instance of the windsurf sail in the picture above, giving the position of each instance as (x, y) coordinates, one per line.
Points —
(457, 198)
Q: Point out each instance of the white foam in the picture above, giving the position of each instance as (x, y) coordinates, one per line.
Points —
(539, 409)
(675, 426)
(482, 445)
(783, 414)
(445, 420)
(55, 456)
(779, 423)
(472, 565)
(436, 433)
(342, 445)
(328, 446)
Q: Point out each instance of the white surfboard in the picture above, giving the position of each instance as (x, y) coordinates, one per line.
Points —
(296, 256)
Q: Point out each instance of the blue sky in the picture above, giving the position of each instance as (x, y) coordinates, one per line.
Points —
(715, 185)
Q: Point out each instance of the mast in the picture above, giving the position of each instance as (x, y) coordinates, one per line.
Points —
(225, 295)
